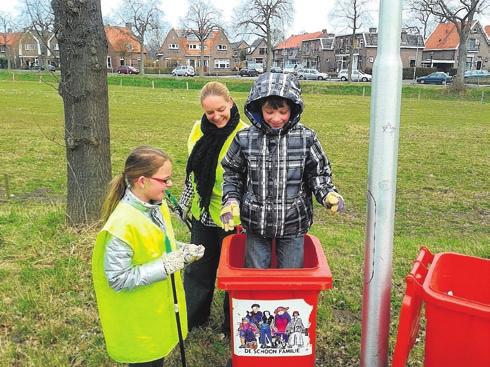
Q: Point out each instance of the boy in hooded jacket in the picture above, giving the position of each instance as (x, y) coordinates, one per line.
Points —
(271, 171)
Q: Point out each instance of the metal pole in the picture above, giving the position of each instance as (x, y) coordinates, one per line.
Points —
(383, 155)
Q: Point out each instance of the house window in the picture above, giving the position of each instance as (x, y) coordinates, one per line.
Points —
(473, 44)
(262, 51)
(29, 47)
(109, 62)
(173, 46)
(194, 47)
(56, 47)
(412, 63)
(221, 64)
(222, 47)
(130, 47)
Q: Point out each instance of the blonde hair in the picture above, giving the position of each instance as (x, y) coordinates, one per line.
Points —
(142, 161)
(215, 89)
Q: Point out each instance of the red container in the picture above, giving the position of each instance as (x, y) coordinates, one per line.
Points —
(287, 294)
(456, 291)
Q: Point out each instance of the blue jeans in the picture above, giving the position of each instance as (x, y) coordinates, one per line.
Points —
(258, 252)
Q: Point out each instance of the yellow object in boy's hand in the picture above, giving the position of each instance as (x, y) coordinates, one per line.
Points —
(334, 202)
(230, 215)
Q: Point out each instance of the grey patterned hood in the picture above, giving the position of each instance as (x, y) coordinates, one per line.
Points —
(274, 84)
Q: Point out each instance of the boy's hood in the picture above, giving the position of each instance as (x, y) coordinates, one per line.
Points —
(274, 84)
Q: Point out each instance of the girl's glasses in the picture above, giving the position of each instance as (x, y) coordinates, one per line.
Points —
(165, 181)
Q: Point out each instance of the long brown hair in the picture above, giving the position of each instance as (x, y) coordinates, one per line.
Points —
(142, 161)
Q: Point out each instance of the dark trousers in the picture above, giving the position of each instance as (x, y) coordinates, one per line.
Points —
(157, 363)
(200, 277)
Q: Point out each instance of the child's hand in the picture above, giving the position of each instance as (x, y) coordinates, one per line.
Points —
(173, 261)
(230, 215)
(192, 252)
(334, 202)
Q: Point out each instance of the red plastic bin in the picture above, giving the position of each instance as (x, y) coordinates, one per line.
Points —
(456, 292)
(282, 292)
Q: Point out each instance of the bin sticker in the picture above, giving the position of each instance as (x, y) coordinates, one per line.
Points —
(268, 328)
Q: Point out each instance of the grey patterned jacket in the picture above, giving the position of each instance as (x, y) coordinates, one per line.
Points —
(273, 173)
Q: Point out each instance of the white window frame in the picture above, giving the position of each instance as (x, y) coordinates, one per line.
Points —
(222, 47)
(194, 46)
(173, 46)
(30, 47)
(221, 63)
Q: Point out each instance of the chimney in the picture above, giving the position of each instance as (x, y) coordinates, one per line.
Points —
(372, 30)
(129, 26)
(9, 30)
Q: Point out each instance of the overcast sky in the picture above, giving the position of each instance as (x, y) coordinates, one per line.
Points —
(309, 15)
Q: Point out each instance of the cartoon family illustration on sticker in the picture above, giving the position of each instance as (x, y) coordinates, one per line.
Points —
(281, 332)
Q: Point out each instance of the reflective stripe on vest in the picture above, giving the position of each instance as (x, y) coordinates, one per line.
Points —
(139, 325)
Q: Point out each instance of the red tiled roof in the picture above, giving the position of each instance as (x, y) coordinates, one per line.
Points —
(120, 37)
(209, 43)
(445, 36)
(295, 40)
(10, 39)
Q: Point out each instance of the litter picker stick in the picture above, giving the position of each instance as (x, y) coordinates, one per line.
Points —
(177, 209)
(177, 319)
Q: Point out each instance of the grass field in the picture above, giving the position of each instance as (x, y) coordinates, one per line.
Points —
(47, 309)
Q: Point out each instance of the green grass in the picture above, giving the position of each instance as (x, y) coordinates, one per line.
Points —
(48, 315)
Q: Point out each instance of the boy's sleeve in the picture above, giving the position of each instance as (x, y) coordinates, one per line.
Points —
(234, 172)
(318, 172)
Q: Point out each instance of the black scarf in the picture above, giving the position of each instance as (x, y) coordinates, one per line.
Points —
(204, 156)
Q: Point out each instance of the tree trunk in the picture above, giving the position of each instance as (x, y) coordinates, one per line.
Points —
(459, 78)
(269, 52)
(142, 61)
(201, 56)
(83, 87)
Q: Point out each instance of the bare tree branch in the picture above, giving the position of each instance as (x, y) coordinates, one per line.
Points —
(145, 17)
(264, 18)
(201, 20)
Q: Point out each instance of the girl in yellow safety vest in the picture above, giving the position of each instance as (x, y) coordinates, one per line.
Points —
(134, 257)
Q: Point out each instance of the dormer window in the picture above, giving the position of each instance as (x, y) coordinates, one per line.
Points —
(222, 47)
(173, 46)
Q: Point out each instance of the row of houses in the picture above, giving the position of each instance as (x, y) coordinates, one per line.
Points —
(320, 50)
(29, 49)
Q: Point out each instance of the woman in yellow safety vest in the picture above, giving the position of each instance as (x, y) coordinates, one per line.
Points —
(134, 257)
(208, 143)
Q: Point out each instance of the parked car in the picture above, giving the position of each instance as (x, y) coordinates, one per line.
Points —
(311, 74)
(183, 70)
(476, 73)
(248, 72)
(126, 69)
(438, 77)
(256, 66)
(276, 69)
(41, 67)
(356, 76)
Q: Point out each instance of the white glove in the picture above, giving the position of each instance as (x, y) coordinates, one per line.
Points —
(173, 261)
(192, 252)
(334, 202)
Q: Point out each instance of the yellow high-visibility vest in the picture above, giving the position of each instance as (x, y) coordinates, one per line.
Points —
(215, 202)
(139, 325)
